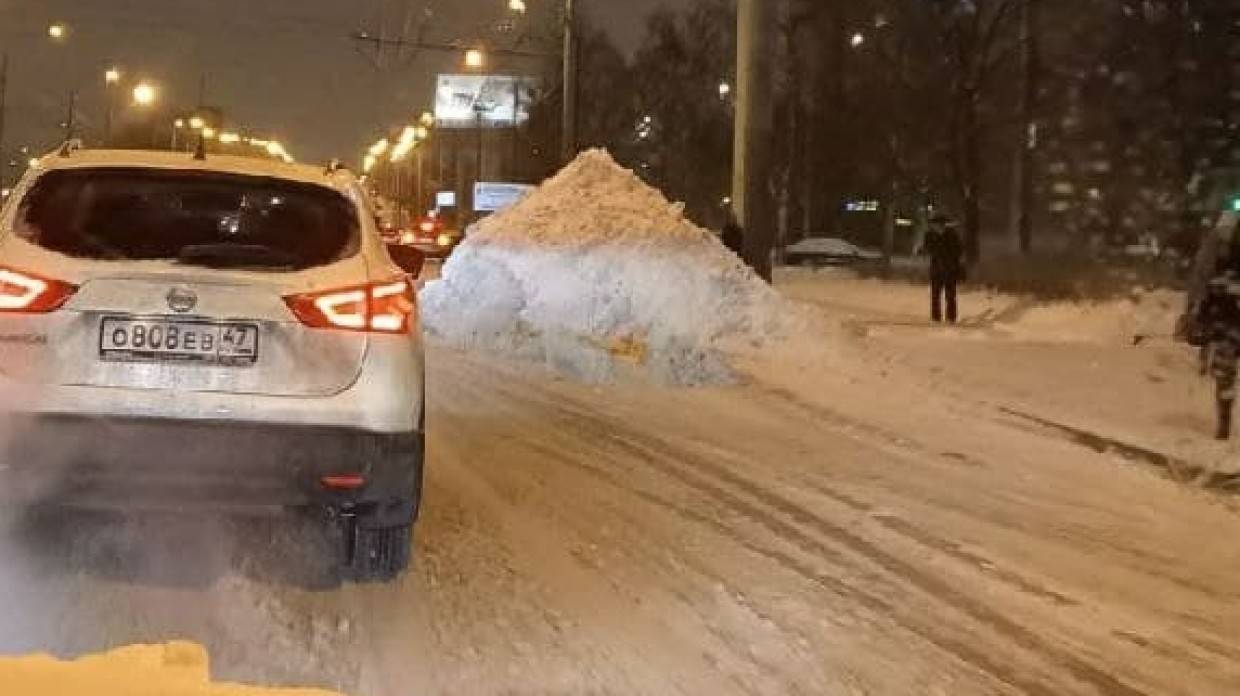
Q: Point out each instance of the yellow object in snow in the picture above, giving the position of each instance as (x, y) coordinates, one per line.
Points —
(174, 669)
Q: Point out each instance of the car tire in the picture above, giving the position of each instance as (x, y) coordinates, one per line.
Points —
(379, 553)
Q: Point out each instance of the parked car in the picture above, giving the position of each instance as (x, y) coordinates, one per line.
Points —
(828, 251)
(226, 332)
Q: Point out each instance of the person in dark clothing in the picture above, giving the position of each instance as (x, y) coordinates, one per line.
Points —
(946, 253)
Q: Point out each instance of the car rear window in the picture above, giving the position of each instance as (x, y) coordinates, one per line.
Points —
(194, 218)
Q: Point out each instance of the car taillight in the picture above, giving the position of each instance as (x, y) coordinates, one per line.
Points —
(30, 294)
(379, 307)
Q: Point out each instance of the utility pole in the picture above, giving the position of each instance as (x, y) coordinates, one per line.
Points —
(1022, 171)
(752, 200)
(71, 117)
(516, 128)
(570, 82)
(419, 208)
(4, 91)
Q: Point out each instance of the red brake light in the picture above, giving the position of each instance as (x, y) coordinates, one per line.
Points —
(30, 294)
(378, 308)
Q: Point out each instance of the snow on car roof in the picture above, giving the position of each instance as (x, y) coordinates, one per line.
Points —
(223, 164)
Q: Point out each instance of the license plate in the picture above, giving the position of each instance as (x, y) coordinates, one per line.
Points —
(231, 344)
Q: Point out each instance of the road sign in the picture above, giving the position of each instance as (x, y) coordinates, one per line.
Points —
(490, 197)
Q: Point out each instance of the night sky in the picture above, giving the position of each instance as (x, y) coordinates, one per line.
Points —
(282, 68)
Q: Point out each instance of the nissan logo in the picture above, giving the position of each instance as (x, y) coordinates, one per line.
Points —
(181, 300)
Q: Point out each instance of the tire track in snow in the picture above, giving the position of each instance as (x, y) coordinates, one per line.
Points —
(771, 510)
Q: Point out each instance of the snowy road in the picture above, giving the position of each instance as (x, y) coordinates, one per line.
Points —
(775, 538)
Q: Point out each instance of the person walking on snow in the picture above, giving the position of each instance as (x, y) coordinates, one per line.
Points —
(946, 253)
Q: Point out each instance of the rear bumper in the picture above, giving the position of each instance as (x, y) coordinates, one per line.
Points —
(155, 463)
(434, 251)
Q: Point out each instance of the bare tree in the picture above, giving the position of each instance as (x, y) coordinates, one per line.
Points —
(978, 40)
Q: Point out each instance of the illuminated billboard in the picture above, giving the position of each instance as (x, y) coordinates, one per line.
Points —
(492, 101)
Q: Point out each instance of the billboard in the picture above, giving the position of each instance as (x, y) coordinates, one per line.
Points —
(500, 100)
(490, 197)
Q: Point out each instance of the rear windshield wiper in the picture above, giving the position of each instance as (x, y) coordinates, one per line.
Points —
(236, 255)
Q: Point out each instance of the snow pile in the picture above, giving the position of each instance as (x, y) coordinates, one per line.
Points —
(1119, 322)
(598, 276)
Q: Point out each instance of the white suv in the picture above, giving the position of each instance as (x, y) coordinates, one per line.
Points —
(221, 331)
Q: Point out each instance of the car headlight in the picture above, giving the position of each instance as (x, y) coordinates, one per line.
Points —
(444, 240)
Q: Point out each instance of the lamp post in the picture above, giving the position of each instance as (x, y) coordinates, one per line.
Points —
(4, 90)
(111, 78)
(570, 81)
(57, 33)
(144, 96)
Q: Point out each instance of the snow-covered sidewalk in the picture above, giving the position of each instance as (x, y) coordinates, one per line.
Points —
(1106, 370)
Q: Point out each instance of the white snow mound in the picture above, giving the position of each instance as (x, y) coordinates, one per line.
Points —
(598, 276)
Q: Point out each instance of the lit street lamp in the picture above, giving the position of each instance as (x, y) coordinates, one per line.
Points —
(111, 77)
(475, 58)
(144, 94)
(57, 31)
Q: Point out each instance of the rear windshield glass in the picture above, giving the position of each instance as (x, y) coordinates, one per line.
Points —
(193, 218)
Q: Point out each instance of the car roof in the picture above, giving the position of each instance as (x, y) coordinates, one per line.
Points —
(337, 179)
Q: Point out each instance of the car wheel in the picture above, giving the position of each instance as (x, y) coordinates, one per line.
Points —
(378, 553)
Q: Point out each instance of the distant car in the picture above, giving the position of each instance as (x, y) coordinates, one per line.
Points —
(432, 237)
(828, 251)
(221, 333)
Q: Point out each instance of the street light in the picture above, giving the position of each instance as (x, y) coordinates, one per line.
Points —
(517, 6)
(475, 58)
(197, 123)
(57, 31)
(111, 77)
(144, 94)
(724, 90)
(857, 39)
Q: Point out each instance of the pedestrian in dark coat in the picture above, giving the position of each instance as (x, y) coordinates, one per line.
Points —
(946, 253)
